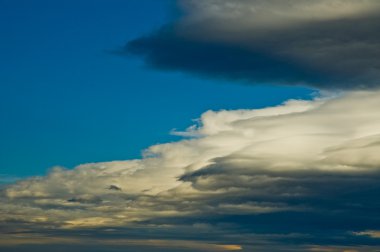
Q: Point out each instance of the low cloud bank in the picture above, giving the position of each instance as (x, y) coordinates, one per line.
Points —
(305, 172)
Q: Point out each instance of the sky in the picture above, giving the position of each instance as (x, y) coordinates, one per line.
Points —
(67, 98)
(185, 125)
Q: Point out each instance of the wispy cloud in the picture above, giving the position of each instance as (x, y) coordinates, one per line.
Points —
(6, 179)
(370, 233)
(41, 239)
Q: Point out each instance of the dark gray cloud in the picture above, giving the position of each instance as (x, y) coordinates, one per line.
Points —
(309, 202)
(328, 46)
(166, 50)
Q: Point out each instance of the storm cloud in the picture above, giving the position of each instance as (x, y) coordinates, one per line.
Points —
(322, 44)
(302, 176)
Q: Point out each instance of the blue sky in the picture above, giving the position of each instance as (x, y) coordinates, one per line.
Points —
(66, 100)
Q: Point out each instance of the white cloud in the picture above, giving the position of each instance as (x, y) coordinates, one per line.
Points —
(279, 159)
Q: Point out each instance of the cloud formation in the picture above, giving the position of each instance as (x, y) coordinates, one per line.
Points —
(284, 178)
(324, 44)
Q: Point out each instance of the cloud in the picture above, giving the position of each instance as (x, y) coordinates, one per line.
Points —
(323, 44)
(371, 233)
(183, 245)
(282, 178)
(6, 179)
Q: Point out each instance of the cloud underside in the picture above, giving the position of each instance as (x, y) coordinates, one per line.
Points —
(303, 175)
(323, 44)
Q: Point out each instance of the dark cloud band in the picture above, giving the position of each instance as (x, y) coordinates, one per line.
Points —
(326, 53)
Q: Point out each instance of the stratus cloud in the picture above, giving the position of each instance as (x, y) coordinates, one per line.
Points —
(308, 171)
(323, 43)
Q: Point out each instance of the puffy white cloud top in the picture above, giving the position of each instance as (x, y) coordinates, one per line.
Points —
(316, 159)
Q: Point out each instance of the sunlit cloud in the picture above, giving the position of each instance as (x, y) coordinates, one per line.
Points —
(370, 233)
(304, 167)
(40, 239)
